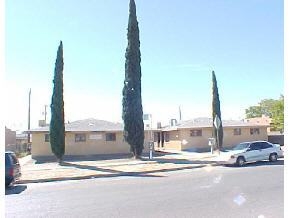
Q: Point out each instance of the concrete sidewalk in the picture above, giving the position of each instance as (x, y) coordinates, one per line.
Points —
(79, 169)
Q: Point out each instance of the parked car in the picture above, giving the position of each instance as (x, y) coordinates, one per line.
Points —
(251, 152)
(12, 168)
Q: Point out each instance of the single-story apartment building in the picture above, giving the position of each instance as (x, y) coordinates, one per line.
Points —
(92, 136)
(85, 137)
(194, 134)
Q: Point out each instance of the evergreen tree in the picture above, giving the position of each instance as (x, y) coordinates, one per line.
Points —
(57, 128)
(277, 112)
(216, 111)
(132, 113)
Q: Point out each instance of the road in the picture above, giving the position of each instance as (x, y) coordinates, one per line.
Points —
(252, 191)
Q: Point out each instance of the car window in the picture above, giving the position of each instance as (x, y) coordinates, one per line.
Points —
(14, 159)
(241, 146)
(266, 145)
(255, 146)
(7, 160)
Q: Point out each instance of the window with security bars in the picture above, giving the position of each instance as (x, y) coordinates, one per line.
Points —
(80, 137)
(46, 138)
(110, 136)
(237, 131)
(254, 131)
(195, 132)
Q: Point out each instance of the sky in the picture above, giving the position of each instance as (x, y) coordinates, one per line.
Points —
(181, 44)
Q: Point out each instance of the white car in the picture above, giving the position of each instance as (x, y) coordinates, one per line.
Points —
(252, 151)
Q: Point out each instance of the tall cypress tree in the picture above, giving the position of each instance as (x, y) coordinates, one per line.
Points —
(216, 111)
(57, 128)
(132, 113)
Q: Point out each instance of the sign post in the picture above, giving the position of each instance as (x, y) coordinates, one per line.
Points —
(217, 124)
(148, 125)
(151, 145)
(211, 143)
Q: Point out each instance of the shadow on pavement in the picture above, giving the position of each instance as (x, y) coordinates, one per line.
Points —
(88, 167)
(184, 161)
(259, 163)
(146, 168)
(111, 173)
(148, 173)
(160, 153)
(15, 189)
(97, 157)
(72, 158)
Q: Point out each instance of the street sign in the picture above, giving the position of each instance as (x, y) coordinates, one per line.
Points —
(217, 122)
(211, 141)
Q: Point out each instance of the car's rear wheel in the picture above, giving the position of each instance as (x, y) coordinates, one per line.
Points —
(273, 157)
(240, 161)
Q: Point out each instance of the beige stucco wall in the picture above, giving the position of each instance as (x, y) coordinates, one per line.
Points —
(39, 147)
(172, 145)
(230, 139)
(185, 141)
(89, 147)
(198, 142)
(95, 146)
(178, 140)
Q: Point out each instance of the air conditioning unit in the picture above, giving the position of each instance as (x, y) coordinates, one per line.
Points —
(41, 123)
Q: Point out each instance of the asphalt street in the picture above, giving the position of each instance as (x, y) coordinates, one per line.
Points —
(256, 190)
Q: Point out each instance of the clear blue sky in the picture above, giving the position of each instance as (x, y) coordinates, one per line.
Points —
(181, 43)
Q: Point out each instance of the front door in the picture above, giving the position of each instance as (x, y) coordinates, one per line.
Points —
(162, 139)
(158, 138)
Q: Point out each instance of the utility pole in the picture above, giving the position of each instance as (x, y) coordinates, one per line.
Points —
(151, 143)
(28, 135)
(45, 113)
(180, 113)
